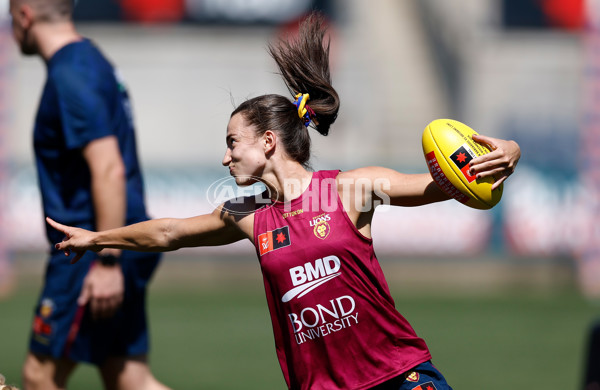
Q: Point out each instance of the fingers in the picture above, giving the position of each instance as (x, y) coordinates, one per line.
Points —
(104, 307)
(486, 141)
(489, 168)
(56, 225)
(106, 290)
(499, 175)
(67, 244)
(498, 182)
(63, 246)
(100, 306)
(84, 296)
(500, 162)
(498, 156)
(67, 252)
(77, 257)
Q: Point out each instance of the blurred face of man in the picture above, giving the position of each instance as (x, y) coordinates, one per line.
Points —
(22, 20)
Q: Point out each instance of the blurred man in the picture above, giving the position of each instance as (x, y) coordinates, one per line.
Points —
(89, 176)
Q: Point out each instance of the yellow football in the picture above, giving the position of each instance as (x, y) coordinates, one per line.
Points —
(448, 147)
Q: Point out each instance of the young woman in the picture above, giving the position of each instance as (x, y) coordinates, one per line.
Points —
(333, 317)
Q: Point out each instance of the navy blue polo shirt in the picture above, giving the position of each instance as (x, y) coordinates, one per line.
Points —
(83, 100)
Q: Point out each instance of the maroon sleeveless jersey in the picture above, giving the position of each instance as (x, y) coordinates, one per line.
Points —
(334, 320)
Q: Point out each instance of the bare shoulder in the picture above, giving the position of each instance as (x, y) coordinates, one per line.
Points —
(241, 206)
(240, 213)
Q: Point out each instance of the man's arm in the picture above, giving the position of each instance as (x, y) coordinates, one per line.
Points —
(104, 285)
(107, 172)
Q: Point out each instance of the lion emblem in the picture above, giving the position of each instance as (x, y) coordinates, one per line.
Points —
(322, 230)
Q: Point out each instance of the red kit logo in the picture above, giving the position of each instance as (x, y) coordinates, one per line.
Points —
(273, 240)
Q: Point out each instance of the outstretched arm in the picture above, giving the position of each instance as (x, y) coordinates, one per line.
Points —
(158, 235)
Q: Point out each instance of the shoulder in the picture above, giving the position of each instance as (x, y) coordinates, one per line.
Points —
(78, 63)
(238, 213)
(72, 80)
(237, 208)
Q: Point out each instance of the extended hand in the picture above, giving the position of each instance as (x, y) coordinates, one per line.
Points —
(500, 163)
(76, 240)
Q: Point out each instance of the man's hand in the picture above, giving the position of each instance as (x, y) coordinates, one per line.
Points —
(103, 288)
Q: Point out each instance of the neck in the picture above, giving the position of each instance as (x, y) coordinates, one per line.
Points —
(287, 181)
(51, 37)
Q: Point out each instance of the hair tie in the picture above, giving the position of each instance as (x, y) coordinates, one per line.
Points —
(304, 111)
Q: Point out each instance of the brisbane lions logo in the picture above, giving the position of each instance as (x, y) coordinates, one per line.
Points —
(320, 226)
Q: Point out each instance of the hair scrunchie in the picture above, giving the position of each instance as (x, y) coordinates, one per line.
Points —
(304, 111)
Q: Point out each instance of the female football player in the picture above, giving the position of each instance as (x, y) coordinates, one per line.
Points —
(333, 317)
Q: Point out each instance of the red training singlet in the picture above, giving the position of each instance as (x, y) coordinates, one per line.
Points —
(334, 320)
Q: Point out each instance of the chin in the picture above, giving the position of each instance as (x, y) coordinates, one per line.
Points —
(28, 50)
(244, 180)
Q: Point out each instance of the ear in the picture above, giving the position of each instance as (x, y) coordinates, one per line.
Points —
(269, 140)
(25, 16)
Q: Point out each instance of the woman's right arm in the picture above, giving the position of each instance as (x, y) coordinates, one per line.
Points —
(157, 235)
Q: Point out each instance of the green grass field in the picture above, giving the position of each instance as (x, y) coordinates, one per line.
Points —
(217, 335)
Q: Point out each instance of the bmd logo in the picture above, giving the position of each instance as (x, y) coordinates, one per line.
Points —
(310, 276)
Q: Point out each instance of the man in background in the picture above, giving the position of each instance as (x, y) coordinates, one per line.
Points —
(89, 176)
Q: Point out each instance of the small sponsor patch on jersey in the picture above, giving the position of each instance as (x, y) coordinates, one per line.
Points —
(425, 386)
(412, 376)
(274, 239)
(292, 213)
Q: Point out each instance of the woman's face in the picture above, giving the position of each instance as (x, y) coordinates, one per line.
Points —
(245, 153)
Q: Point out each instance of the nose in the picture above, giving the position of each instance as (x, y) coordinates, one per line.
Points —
(226, 158)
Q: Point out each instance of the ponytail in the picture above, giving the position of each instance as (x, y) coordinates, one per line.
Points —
(304, 66)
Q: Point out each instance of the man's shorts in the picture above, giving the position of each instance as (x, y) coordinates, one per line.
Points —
(422, 377)
(61, 329)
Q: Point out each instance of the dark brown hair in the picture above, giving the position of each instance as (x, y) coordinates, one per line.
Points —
(304, 65)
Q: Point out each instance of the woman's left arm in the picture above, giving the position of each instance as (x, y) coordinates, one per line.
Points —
(369, 187)
(388, 186)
